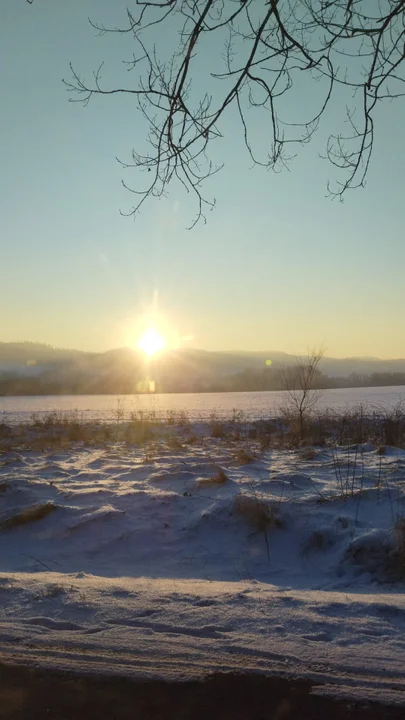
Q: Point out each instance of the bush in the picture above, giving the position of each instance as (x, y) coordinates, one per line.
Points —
(399, 542)
(218, 478)
(173, 443)
(393, 426)
(217, 428)
(5, 431)
(308, 453)
(316, 541)
(259, 513)
(243, 457)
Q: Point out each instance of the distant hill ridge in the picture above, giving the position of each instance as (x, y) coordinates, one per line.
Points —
(35, 368)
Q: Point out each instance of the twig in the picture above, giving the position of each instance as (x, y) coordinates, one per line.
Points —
(38, 561)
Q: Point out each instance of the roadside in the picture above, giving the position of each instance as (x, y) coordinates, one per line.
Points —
(32, 694)
(170, 633)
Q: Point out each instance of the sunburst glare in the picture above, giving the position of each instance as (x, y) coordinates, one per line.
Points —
(151, 342)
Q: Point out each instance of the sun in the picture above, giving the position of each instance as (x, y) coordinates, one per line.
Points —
(151, 342)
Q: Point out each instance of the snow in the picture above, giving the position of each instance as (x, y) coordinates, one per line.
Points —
(254, 405)
(146, 562)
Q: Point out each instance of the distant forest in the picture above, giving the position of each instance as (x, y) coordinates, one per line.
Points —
(126, 382)
(36, 369)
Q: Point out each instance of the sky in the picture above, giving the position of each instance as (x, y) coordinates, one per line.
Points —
(278, 266)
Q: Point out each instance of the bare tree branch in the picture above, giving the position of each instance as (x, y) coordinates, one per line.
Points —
(268, 47)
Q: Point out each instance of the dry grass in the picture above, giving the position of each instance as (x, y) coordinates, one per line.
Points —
(53, 590)
(308, 453)
(384, 558)
(6, 431)
(77, 432)
(217, 430)
(216, 426)
(257, 512)
(218, 478)
(399, 541)
(316, 541)
(264, 441)
(139, 433)
(29, 515)
(148, 458)
(243, 457)
(174, 443)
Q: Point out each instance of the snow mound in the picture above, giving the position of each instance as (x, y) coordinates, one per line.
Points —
(195, 559)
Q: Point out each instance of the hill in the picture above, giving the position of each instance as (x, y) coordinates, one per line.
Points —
(33, 368)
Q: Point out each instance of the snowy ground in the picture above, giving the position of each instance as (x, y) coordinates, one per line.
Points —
(176, 559)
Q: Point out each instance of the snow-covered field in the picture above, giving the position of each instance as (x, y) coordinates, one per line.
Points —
(179, 558)
(254, 405)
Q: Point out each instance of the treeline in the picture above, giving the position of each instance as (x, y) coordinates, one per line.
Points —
(117, 384)
(126, 382)
(273, 379)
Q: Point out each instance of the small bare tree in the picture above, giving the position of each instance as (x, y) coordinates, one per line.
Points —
(299, 383)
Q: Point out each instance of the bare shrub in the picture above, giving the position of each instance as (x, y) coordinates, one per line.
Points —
(143, 417)
(308, 453)
(259, 513)
(399, 543)
(29, 515)
(55, 419)
(144, 434)
(243, 457)
(320, 427)
(383, 556)
(148, 458)
(219, 477)
(237, 416)
(106, 433)
(6, 431)
(216, 427)
(315, 541)
(183, 419)
(141, 428)
(349, 472)
(264, 442)
(54, 590)
(374, 556)
(119, 412)
(77, 432)
(393, 426)
(174, 443)
(177, 417)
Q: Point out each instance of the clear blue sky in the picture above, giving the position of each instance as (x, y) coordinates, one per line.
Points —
(278, 266)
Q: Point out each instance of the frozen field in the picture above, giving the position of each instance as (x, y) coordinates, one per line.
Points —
(195, 553)
(198, 406)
